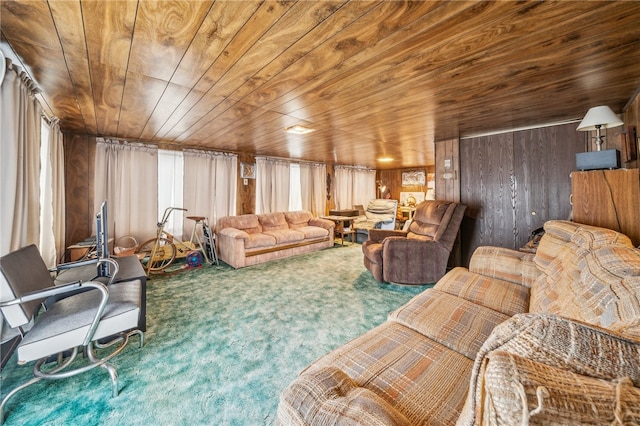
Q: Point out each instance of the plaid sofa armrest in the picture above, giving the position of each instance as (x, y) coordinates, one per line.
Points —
(557, 342)
(504, 264)
(518, 390)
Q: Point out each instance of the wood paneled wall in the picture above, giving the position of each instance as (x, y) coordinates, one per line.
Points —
(631, 124)
(393, 180)
(608, 198)
(514, 182)
(246, 196)
(448, 170)
(79, 155)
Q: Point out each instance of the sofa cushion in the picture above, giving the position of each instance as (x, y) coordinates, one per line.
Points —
(258, 241)
(284, 236)
(568, 255)
(492, 293)
(611, 278)
(246, 222)
(602, 289)
(273, 221)
(504, 264)
(620, 303)
(330, 397)
(298, 219)
(418, 377)
(599, 287)
(558, 233)
(454, 322)
(312, 232)
(431, 217)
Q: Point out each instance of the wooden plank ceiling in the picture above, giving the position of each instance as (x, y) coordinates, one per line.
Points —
(373, 78)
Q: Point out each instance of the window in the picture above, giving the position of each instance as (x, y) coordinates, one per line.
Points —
(170, 178)
(295, 188)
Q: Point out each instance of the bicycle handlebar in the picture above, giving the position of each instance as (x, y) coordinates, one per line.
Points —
(167, 212)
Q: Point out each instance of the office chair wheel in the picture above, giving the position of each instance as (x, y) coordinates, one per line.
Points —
(164, 255)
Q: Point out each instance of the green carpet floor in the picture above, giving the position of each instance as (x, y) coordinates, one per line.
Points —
(221, 344)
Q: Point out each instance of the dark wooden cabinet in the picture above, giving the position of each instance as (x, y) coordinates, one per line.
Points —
(513, 182)
(608, 198)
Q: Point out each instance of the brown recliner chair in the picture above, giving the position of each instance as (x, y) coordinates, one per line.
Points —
(420, 254)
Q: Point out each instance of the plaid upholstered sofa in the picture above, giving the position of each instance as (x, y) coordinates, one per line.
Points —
(518, 338)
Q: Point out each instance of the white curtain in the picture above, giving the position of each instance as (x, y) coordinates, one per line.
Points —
(52, 214)
(272, 185)
(210, 185)
(20, 130)
(20, 133)
(313, 184)
(354, 186)
(126, 176)
(56, 145)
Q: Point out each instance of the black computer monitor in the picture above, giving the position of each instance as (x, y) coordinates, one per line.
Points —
(102, 239)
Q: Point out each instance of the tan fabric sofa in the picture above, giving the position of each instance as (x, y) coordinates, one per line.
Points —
(518, 338)
(251, 239)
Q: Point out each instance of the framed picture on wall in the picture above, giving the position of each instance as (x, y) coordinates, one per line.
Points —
(413, 178)
(248, 170)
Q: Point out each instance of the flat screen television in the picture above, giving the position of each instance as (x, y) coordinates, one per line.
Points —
(102, 239)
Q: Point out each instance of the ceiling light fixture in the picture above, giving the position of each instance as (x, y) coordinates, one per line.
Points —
(385, 159)
(298, 129)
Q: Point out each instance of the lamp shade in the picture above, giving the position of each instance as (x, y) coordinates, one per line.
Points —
(601, 116)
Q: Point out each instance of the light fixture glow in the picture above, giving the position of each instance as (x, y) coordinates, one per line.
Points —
(298, 129)
(385, 159)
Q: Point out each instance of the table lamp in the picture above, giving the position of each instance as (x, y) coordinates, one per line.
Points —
(597, 118)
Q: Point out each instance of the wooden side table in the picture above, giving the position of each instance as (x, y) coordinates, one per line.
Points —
(406, 209)
(78, 251)
(343, 227)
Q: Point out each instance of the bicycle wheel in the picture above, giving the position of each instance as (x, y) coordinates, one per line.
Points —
(164, 255)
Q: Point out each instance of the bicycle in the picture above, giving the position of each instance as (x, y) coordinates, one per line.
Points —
(160, 252)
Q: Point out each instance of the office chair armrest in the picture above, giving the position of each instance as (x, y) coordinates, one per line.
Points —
(69, 265)
(52, 291)
(42, 294)
(66, 288)
(114, 265)
(66, 266)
